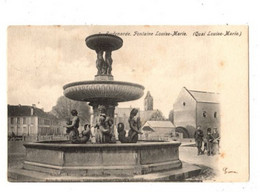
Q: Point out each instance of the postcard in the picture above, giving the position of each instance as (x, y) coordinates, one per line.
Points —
(128, 103)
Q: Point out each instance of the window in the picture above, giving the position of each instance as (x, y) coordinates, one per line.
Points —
(12, 120)
(24, 120)
(215, 114)
(46, 122)
(18, 120)
(204, 114)
(184, 104)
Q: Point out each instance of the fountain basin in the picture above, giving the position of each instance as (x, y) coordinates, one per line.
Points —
(112, 91)
(104, 42)
(59, 158)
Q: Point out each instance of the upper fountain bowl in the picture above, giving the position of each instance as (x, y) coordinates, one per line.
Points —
(95, 91)
(104, 42)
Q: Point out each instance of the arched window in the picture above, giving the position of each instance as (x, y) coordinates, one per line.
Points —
(215, 114)
(204, 114)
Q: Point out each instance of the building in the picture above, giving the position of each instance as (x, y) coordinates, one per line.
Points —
(157, 130)
(196, 108)
(149, 114)
(32, 121)
(148, 102)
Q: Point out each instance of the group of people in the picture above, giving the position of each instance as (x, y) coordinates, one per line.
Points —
(209, 142)
(102, 131)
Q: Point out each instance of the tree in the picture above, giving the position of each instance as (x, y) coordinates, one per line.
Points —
(64, 106)
(157, 116)
(171, 116)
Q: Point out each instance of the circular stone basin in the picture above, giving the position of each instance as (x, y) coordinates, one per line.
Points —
(128, 159)
(112, 91)
(104, 42)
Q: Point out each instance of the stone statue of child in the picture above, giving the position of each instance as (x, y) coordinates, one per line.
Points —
(102, 130)
(109, 61)
(135, 125)
(121, 133)
(72, 128)
(100, 62)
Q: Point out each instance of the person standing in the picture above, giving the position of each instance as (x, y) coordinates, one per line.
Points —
(210, 140)
(216, 137)
(198, 135)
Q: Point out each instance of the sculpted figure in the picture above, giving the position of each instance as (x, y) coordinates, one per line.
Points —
(135, 125)
(121, 133)
(109, 61)
(72, 127)
(107, 133)
(102, 129)
(100, 62)
(85, 134)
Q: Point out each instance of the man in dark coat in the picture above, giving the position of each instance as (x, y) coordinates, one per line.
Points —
(198, 135)
(210, 140)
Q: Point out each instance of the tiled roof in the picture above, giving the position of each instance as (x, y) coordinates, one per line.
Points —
(22, 110)
(204, 97)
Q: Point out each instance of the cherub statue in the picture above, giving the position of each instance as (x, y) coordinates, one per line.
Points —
(100, 62)
(135, 125)
(109, 61)
(121, 133)
(102, 130)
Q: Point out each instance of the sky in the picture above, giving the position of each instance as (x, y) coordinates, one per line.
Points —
(42, 59)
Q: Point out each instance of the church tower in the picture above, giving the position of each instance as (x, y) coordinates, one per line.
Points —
(148, 102)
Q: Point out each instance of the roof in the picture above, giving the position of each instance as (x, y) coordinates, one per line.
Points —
(148, 94)
(23, 110)
(203, 96)
(159, 124)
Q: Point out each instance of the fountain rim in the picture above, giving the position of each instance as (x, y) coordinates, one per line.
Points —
(90, 82)
(43, 144)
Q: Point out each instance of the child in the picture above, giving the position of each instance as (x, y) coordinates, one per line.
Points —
(121, 133)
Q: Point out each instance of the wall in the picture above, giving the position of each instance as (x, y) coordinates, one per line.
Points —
(209, 121)
(184, 110)
(21, 127)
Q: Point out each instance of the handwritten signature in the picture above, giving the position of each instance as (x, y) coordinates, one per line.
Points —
(226, 171)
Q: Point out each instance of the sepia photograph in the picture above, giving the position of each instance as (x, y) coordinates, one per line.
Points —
(128, 103)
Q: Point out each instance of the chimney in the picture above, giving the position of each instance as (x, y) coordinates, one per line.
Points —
(32, 109)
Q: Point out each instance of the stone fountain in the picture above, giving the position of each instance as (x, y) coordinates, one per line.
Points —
(141, 161)
(103, 91)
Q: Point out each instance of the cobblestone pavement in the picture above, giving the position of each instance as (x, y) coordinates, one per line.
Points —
(207, 163)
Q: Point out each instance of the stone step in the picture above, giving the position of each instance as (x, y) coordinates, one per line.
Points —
(187, 171)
